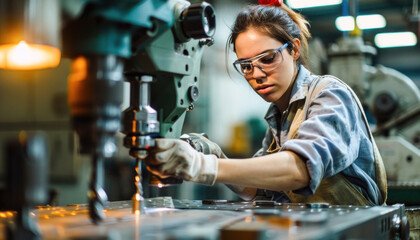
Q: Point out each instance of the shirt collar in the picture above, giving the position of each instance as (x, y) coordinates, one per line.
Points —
(299, 90)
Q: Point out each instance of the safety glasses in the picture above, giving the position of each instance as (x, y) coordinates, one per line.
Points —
(266, 62)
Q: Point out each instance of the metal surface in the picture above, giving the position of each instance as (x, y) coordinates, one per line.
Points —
(413, 215)
(221, 219)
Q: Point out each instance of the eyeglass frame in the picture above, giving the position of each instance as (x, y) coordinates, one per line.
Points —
(258, 57)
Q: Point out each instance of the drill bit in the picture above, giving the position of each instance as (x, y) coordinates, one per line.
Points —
(137, 199)
(97, 195)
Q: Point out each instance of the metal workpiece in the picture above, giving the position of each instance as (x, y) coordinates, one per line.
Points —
(167, 218)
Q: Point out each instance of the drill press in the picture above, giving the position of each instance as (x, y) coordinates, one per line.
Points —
(173, 60)
(96, 79)
(160, 38)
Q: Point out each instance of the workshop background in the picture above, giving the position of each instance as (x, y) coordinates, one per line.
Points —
(227, 110)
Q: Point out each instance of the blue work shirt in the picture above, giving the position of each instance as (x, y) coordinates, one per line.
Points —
(332, 139)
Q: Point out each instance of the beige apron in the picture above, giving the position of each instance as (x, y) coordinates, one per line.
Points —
(336, 189)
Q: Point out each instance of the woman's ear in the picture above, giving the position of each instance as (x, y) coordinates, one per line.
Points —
(296, 49)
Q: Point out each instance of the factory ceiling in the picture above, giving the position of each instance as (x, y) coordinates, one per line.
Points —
(399, 15)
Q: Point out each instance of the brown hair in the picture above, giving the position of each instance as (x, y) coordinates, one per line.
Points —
(281, 23)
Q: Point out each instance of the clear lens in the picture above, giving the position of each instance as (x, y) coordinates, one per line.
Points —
(270, 61)
(244, 68)
(267, 62)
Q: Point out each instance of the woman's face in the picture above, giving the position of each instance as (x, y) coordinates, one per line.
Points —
(271, 85)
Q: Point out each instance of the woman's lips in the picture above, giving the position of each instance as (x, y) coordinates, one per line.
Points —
(263, 89)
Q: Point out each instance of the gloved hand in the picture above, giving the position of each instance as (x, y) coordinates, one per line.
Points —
(201, 143)
(174, 157)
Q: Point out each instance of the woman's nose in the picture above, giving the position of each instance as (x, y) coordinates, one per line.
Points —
(258, 72)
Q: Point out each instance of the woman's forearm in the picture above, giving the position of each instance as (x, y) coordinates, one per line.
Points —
(280, 171)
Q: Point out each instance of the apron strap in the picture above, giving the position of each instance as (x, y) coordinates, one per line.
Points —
(335, 189)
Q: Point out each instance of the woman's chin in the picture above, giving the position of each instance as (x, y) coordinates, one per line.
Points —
(269, 99)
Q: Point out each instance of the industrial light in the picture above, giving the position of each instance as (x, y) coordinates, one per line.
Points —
(345, 23)
(23, 56)
(312, 3)
(395, 39)
(29, 34)
(370, 21)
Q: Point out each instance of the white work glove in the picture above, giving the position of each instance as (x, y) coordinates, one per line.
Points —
(201, 143)
(174, 157)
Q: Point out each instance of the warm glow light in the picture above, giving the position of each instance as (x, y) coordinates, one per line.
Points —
(396, 39)
(79, 68)
(23, 56)
(345, 23)
(312, 3)
(160, 185)
(370, 21)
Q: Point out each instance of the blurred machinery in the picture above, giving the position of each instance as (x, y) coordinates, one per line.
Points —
(391, 100)
(394, 102)
(26, 184)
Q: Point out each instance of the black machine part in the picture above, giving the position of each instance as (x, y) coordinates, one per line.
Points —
(199, 21)
(386, 103)
(95, 97)
(26, 183)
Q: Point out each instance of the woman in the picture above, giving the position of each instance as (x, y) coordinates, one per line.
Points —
(318, 147)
